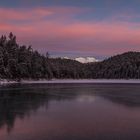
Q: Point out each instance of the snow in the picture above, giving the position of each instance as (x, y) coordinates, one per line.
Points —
(5, 81)
(57, 81)
(68, 81)
(83, 59)
(86, 60)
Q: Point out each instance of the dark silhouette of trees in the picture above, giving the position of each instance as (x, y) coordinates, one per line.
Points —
(124, 66)
(18, 62)
(22, 62)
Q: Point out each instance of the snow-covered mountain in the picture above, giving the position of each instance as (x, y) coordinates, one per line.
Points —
(84, 59)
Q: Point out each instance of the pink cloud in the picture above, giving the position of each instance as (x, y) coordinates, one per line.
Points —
(68, 34)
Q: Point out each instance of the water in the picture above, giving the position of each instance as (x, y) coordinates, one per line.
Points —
(70, 112)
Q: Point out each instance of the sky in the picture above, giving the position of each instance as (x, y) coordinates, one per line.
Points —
(74, 28)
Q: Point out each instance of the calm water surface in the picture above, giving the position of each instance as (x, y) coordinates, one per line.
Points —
(70, 112)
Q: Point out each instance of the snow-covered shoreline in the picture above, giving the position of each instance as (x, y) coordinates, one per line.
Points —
(57, 81)
(5, 81)
(69, 81)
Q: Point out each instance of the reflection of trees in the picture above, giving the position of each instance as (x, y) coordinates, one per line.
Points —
(20, 101)
(15, 104)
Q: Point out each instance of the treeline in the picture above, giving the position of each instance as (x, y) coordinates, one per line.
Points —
(19, 62)
(22, 62)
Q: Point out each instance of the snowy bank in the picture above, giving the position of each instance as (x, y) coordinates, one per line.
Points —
(6, 81)
(69, 81)
(66, 81)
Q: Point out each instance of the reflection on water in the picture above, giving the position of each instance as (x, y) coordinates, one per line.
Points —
(70, 111)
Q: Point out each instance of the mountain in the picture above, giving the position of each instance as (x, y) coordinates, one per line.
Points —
(83, 59)
(86, 59)
(22, 62)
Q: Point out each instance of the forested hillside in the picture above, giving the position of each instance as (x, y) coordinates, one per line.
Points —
(124, 66)
(18, 62)
(22, 62)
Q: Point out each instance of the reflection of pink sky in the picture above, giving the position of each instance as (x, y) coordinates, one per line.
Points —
(45, 28)
(69, 118)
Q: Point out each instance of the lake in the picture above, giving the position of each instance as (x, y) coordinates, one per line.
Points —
(70, 111)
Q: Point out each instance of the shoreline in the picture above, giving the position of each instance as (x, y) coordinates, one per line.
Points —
(72, 81)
